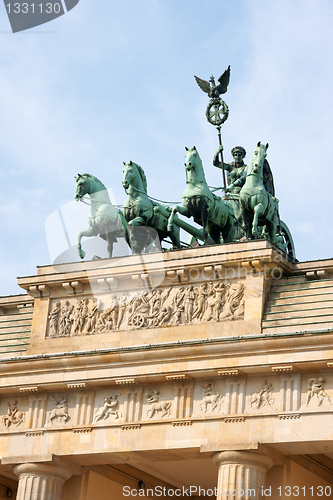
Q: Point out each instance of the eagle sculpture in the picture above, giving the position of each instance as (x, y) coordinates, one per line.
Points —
(211, 88)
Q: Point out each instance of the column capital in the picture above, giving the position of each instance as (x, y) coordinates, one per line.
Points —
(255, 458)
(241, 473)
(43, 469)
(41, 480)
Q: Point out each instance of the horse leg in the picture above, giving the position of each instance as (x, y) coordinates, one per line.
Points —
(228, 231)
(214, 233)
(272, 229)
(178, 208)
(91, 231)
(246, 220)
(258, 210)
(167, 408)
(175, 237)
(110, 239)
(134, 243)
(204, 218)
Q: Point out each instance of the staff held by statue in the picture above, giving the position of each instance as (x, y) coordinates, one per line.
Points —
(217, 110)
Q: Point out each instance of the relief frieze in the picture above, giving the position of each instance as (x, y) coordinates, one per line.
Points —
(315, 387)
(210, 398)
(181, 402)
(161, 408)
(59, 414)
(108, 409)
(263, 398)
(209, 302)
(13, 417)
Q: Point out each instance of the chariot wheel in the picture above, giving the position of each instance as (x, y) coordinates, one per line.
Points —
(217, 112)
(288, 241)
(138, 320)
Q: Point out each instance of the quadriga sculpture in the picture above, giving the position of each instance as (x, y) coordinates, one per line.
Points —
(258, 207)
(105, 220)
(215, 215)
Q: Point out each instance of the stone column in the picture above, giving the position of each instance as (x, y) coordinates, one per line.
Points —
(241, 474)
(42, 481)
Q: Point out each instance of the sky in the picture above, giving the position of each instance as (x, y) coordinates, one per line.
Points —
(114, 81)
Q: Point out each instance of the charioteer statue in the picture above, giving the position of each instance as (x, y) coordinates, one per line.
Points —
(236, 171)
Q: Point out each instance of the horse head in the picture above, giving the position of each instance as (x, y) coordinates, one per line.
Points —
(88, 184)
(193, 166)
(257, 160)
(134, 176)
(82, 186)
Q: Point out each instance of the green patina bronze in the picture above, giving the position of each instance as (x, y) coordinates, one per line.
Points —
(215, 215)
(248, 210)
(236, 170)
(105, 220)
(236, 175)
(258, 207)
(217, 110)
(140, 211)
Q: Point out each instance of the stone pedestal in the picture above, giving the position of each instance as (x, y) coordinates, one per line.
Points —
(241, 474)
(41, 481)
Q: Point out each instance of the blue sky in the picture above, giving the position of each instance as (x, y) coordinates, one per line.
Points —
(113, 81)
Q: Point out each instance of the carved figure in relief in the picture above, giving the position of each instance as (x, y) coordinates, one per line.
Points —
(122, 306)
(101, 324)
(77, 315)
(264, 396)
(108, 409)
(61, 410)
(234, 305)
(139, 306)
(158, 298)
(189, 303)
(218, 292)
(83, 314)
(210, 301)
(92, 317)
(177, 316)
(113, 311)
(164, 316)
(54, 319)
(177, 307)
(13, 415)
(201, 302)
(65, 322)
(210, 398)
(80, 316)
(316, 386)
(153, 398)
(160, 318)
